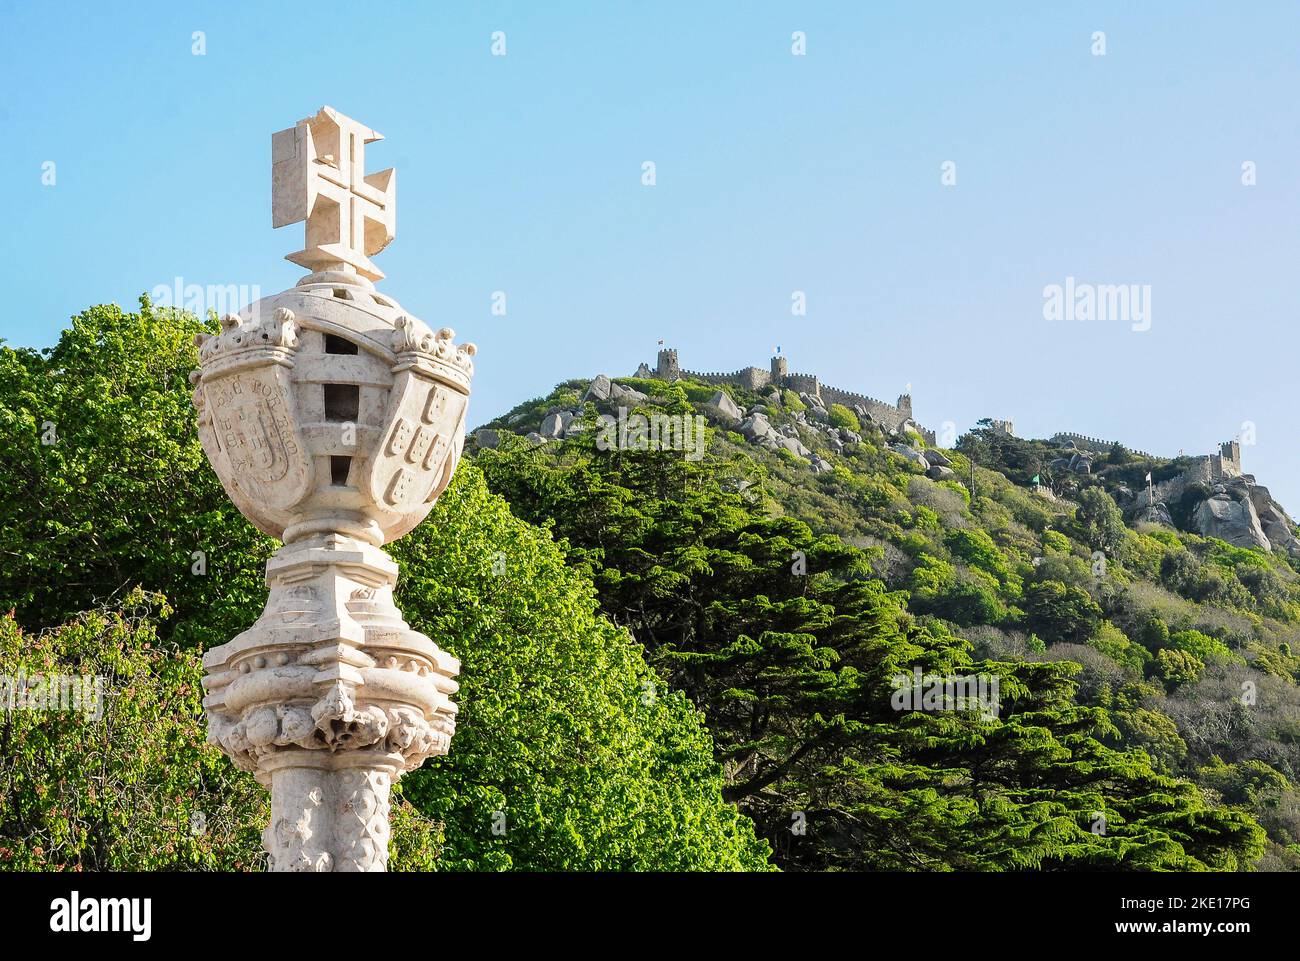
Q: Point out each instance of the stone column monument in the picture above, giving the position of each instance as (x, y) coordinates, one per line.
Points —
(334, 419)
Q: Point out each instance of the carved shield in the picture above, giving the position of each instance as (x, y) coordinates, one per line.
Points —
(251, 436)
(418, 453)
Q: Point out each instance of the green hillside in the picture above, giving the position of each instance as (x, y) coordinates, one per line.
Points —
(1148, 706)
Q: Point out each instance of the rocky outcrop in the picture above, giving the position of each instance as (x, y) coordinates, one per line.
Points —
(1229, 514)
(1235, 509)
(626, 395)
(1157, 513)
(794, 445)
(756, 427)
(912, 454)
(599, 388)
(1277, 526)
(555, 423)
(721, 406)
(604, 389)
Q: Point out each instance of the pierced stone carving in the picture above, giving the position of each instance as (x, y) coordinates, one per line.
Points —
(330, 696)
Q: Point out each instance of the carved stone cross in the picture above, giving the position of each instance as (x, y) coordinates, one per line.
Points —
(318, 174)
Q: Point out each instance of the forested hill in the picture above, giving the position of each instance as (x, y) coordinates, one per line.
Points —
(787, 573)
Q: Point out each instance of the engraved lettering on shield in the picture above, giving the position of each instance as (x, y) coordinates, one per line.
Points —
(253, 427)
(251, 433)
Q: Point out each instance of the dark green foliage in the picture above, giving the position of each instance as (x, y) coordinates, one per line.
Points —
(1061, 612)
(1101, 525)
(790, 646)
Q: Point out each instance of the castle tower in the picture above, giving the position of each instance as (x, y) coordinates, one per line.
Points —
(780, 368)
(1231, 453)
(905, 404)
(667, 368)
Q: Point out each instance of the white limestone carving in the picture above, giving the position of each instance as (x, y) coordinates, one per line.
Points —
(318, 174)
(334, 420)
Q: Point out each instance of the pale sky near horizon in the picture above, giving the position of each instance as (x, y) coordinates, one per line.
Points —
(775, 173)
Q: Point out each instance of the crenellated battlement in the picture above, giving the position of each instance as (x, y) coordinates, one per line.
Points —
(1095, 445)
(1209, 468)
(892, 416)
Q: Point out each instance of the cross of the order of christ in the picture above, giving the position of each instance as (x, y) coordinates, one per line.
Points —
(318, 174)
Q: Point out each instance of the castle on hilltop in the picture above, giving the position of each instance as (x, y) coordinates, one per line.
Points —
(891, 416)
(1210, 468)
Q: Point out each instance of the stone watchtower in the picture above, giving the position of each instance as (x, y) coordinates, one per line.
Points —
(779, 369)
(1231, 453)
(667, 368)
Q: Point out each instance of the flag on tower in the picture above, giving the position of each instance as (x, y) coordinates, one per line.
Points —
(661, 343)
(776, 349)
(1148, 477)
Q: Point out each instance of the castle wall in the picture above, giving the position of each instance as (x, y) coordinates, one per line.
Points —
(1214, 468)
(883, 413)
(751, 378)
(805, 383)
(1093, 445)
(890, 416)
(1207, 469)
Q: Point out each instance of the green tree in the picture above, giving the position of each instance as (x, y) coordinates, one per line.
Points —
(1153, 633)
(841, 416)
(1178, 667)
(121, 779)
(590, 757)
(1100, 521)
(1201, 645)
(1060, 612)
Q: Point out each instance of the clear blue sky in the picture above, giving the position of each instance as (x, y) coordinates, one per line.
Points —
(775, 173)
